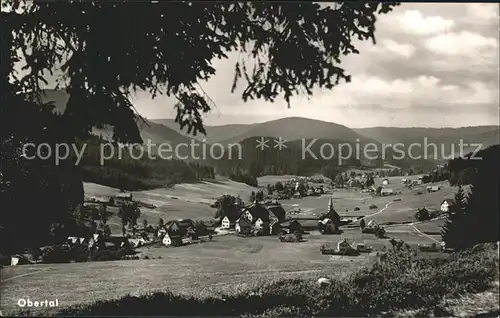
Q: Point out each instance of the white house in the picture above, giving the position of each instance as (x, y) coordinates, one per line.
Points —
(385, 182)
(445, 206)
(404, 180)
(226, 224)
(167, 240)
(259, 223)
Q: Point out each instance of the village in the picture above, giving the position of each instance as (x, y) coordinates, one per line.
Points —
(268, 212)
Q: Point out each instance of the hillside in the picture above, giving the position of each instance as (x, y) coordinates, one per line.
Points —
(296, 128)
(149, 130)
(214, 133)
(487, 135)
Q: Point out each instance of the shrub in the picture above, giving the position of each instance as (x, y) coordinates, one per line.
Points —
(109, 255)
(373, 206)
(422, 214)
(65, 253)
(379, 232)
(356, 209)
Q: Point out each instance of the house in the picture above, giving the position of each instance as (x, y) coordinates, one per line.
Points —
(71, 240)
(385, 182)
(180, 227)
(227, 223)
(293, 226)
(343, 246)
(247, 215)
(259, 224)
(445, 205)
(326, 226)
(404, 180)
(135, 242)
(174, 240)
(433, 188)
(243, 226)
(126, 196)
(386, 192)
(277, 211)
(361, 247)
(417, 182)
(161, 232)
(274, 227)
(372, 224)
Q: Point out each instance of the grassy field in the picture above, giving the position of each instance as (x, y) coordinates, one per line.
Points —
(228, 262)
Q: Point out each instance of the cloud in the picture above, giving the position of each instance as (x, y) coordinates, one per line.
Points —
(414, 22)
(411, 92)
(463, 43)
(482, 12)
(398, 49)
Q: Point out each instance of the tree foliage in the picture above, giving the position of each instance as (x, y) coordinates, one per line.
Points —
(169, 47)
(454, 232)
(227, 206)
(475, 221)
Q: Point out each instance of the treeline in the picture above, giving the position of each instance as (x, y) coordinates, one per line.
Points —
(272, 161)
(473, 216)
(463, 171)
(125, 172)
(294, 160)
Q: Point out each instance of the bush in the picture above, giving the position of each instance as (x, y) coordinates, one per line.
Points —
(65, 253)
(109, 255)
(356, 209)
(422, 214)
(373, 206)
(379, 232)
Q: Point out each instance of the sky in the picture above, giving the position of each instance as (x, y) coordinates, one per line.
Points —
(434, 65)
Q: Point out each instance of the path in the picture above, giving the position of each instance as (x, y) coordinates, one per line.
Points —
(423, 234)
(376, 213)
(22, 275)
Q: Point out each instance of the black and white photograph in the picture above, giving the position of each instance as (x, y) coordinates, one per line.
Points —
(249, 158)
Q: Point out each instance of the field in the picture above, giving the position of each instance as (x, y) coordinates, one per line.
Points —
(228, 263)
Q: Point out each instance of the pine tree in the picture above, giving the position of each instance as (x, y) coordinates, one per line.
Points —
(454, 232)
(483, 209)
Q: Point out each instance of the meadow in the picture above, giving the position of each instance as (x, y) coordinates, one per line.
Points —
(227, 263)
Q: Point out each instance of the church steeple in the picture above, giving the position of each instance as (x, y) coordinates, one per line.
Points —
(330, 204)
